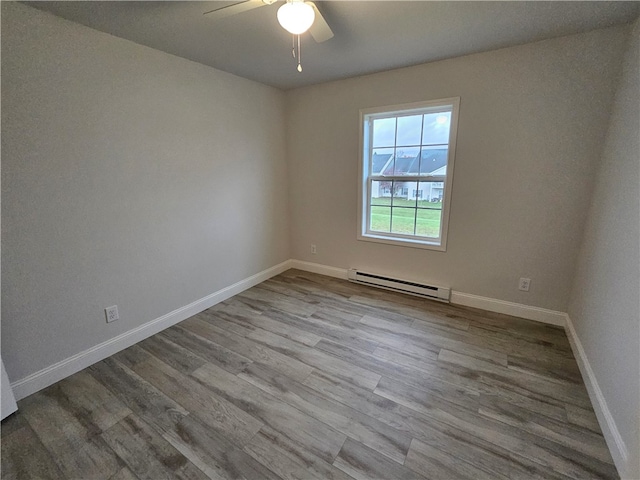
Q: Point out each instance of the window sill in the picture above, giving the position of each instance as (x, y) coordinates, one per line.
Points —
(403, 242)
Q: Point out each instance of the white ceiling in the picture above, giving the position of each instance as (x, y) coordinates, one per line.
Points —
(370, 36)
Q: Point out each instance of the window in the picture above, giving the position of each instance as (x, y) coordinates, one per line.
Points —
(407, 172)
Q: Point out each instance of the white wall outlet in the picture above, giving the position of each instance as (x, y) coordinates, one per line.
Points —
(112, 314)
(524, 284)
(313, 249)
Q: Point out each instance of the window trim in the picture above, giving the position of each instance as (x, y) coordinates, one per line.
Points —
(365, 178)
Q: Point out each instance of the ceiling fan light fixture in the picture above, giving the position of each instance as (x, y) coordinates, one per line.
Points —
(296, 17)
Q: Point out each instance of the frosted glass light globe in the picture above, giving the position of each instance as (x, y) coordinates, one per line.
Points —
(296, 17)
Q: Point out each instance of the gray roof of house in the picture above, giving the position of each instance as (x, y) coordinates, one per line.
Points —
(379, 161)
(426, 162)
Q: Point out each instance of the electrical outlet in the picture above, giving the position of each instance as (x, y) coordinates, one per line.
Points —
(524, 284)
(112, 314)
(313, 249)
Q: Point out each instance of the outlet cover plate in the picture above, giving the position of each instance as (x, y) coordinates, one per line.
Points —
(111, 313)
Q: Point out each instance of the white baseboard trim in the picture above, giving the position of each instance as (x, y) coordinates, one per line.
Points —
(320, 269)
(56, 372)
(509, 308)
(608, 425)
(466, 299)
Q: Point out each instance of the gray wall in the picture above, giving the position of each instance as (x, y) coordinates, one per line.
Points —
(604, 306)
(532, 122)
(129, 177)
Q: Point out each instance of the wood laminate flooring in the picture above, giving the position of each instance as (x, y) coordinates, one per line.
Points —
(311, 377)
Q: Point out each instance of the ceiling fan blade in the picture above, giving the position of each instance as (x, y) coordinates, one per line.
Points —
(234, 9)
(320, 30)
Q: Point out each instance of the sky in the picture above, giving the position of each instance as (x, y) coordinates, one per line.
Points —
(433, 127)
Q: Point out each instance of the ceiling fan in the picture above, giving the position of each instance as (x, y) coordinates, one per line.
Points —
(295, 16)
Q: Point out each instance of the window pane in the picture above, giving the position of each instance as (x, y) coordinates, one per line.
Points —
(436, 128)
(380, 193)
(380, 220)
(403, 220)
(384, 132)
(402, 194)
(382, 161)
(433, 161)
(406, 161)
(430, 195)
(409, 130)
(428, 223)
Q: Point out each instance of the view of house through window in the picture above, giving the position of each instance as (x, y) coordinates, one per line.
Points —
(407, 169)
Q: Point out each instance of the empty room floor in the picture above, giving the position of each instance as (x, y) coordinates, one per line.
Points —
(306, 376)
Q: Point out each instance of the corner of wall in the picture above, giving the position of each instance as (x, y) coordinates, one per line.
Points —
(604, 314)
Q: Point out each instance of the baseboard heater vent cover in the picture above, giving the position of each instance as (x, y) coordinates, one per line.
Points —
(442, 294)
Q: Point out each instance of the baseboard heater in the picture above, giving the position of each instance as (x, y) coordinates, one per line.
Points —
(433, 292)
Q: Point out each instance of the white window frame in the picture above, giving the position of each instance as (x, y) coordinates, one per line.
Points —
(366, 178)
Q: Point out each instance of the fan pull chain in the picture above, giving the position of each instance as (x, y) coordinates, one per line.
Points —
(296, 51)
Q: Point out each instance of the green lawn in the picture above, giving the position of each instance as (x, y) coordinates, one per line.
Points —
(401, 202)
(404, 220)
